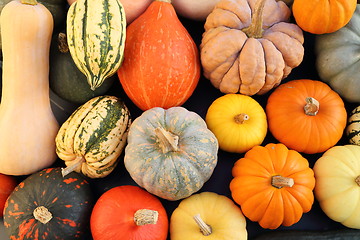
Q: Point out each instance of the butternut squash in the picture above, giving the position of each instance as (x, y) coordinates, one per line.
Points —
(27, 124)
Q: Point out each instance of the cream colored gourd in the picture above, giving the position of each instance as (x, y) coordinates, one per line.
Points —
(27, 124)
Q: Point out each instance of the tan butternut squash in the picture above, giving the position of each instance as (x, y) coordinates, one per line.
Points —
(27, 124)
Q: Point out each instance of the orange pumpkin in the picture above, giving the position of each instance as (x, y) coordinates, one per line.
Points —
(161, 65)
(306, 115)
(320, 17)
(273, 185)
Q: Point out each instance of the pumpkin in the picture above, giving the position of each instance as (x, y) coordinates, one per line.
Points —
(207, 215)
(7, 185)
(273, 185)
(195, 10)
(170, 152)
(336, 60)
(66, 80)
(306, 115)
(337, 174)
(353, 126)
(319, 17)
(27, 124)
(91, 140)
(48, 206)
(245, 46)
(238, 122)
(96, 32)
(128, 212)
(158, 36)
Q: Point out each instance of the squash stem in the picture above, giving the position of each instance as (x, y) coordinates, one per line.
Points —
(357, 180)
(280, 181)
(29, 2)
(78, 161)
(168, 142)
(241, 118)
(204, 228)
(42, 214)
(312, 106)
(62, 43)
(145, 216)
(255, 30)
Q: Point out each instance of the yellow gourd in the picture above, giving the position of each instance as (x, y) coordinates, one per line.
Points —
(27, 124)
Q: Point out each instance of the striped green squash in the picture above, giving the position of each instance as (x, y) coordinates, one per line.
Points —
(353, 127)
(93, 137)
(96, 31)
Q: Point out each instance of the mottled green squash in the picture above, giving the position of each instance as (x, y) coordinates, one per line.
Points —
(171, 153)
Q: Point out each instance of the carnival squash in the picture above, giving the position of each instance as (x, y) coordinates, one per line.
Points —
(161, 62)
(96, 32)
(207, 215)
(128, 212)
(27, 124)
(337, 188)
(273, 185)
(337, 61)
(170, 152)
(249, 46)
(306, 115)
(238, 122)
(7, 185)
(48, 206)
(91, 140)
(353, 126)
(319, 17)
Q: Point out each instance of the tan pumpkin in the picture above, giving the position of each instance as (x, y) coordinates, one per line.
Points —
(246, 45)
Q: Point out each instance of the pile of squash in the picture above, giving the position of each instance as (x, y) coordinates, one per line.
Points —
(221, 119)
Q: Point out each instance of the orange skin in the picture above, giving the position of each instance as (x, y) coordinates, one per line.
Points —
(7, 185)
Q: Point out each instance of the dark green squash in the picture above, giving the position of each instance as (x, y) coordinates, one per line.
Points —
(66, 80)
(47, 206)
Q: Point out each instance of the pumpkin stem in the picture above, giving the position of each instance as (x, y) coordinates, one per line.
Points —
(280, 181)
(42, 214)
(357, 180)
(168, 142)
(78, 161)
(312, 106)
(145, 216)
(29, 2)
(241, 118)
(204, 228)
(255, 30)
(62, 43)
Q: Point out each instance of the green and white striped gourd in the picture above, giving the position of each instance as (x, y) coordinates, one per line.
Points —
(353, 127)
(93, 137)
(96, 31)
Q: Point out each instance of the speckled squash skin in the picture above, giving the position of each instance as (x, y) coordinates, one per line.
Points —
(173, 172)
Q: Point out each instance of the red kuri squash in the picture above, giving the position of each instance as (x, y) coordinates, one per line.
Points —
(7, 185)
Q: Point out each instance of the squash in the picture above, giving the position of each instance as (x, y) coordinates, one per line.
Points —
(96, 32)
(319, 17)
(66, 80)
(7, 185)
(337, 187)
(238, 122)
(273, 185)
(128, 212)
(306, 115)
(158, 36)
(353, 126)
(27, 143)
(336, 60)
(245, 46)
(48, 206)
(337, 234)
(194, 10)
(91, 140)
(170, 152)
(207, 215)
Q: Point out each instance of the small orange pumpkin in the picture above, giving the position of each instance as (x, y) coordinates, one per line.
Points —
(306, 115)
(273, 185)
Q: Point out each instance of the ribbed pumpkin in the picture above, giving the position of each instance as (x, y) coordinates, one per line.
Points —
(337, 188)
(306, 115)
(93, 137)
(273, 185)
(171, 153)
(161, 66)
(353, 126)
(48, 206)
(96, 31)
(246, 45)
(238, 122)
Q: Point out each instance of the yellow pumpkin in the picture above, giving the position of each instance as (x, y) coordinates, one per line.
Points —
(209, 216)
(238, 121)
